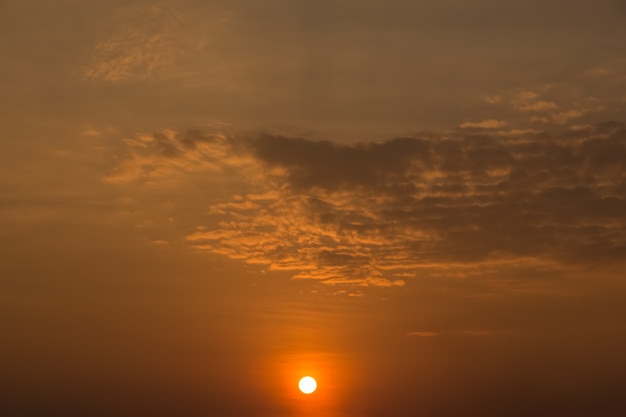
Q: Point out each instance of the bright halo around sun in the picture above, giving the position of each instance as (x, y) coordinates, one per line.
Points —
(307, 385)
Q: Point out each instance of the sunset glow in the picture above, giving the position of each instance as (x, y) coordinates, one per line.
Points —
(206, 206)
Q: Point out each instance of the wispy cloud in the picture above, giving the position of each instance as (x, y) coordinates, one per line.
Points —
(422, 334)
(540, 110)
(154, 156)
(379, 214)
(529, 101)
(560, 118)
(473, 332)
(140, 43)
(485, 124)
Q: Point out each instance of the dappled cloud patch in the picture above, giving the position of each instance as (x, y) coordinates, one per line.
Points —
(381, 214)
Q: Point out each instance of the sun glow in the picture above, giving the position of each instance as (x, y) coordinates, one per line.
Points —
(307, 385)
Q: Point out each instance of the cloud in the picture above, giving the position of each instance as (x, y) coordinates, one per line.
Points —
(166, 154)
(492, 99)
(478, 333)
(560, 118)
(485, 124)
(140, 43)
(422, 334)
(381, 214)
(548, 112)
(528, 101)
(131, 54)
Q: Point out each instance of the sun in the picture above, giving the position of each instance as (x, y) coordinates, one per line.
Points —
(307, 385)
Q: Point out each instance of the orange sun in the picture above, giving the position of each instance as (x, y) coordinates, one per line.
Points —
(307, 385)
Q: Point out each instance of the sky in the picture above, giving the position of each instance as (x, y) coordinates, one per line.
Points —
(421, 204)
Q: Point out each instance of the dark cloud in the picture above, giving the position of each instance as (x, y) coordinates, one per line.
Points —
(329, 166)
(378, 213)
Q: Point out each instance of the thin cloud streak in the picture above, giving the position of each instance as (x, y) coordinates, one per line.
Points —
(485, 124)
(475, 332)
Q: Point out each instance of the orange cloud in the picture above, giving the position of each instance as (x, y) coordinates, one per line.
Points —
(528, 101)
(461, 332)
(380, 214)
(560, 118)
(485, 124)
(422, 334)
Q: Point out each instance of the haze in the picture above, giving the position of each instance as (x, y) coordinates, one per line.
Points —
(420, 204)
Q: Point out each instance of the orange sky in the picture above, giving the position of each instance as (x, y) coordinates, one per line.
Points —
(420, 204)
